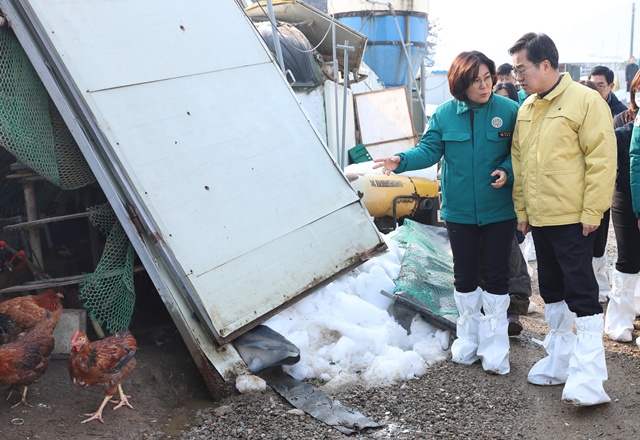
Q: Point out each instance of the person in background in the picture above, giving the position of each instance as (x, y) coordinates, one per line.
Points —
(603, 78)
(508, 90)
(630, 71)
(519, 278)
(621, 311)
(471, 133)
(590, 84)
(505, 74)
(563, 156)
(628, 115)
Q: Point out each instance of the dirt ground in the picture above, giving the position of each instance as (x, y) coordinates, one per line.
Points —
(163, 386)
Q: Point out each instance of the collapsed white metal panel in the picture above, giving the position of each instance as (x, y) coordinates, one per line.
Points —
(195, 135)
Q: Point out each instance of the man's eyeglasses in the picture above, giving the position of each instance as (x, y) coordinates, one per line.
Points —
(520, 72)
(601, 86)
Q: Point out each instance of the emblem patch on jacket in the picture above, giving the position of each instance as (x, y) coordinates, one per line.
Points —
(636, 121)
(505, 134)
(496, 122)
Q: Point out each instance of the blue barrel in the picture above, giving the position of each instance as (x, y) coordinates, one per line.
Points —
(384, 53)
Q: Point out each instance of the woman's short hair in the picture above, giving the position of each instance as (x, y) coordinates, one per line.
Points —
(510, 88)
(464, 70)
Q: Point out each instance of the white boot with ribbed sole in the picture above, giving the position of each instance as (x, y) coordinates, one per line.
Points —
(464, 348)
(493, 336)
(621, 310)
(587, 366)
(559, 343)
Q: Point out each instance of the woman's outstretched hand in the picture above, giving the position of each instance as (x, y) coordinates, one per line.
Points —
(388, 164)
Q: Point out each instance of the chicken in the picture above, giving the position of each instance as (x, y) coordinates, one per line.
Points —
(103, 362)
(7, 328)
(28, 311)
(23, 361)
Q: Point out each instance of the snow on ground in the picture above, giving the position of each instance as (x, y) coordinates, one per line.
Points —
(345, 333)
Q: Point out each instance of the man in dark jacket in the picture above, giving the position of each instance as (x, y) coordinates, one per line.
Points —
(630, 71)
(603, 78)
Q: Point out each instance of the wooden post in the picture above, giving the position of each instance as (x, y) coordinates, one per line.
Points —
(32, 214)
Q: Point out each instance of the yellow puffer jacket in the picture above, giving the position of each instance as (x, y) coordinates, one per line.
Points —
(564, 157)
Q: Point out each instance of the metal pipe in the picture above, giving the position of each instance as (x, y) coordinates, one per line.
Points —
(276, 36)
(335, 91)
(404, 300)
(343, 150)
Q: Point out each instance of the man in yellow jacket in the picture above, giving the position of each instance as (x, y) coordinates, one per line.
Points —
(564, 165)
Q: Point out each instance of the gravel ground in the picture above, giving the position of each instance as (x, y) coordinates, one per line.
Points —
(450, 402)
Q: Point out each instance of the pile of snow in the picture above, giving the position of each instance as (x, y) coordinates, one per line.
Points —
(346, 334)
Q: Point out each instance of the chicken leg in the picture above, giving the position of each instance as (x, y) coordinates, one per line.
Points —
(23, 400)
(98, 414)
(123, 399)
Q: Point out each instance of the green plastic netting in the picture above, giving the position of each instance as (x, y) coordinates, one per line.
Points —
(426, 272)
(108, 292)
(31, 128)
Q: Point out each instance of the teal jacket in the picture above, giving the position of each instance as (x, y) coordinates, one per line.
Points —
(522, 95)
(634, 165)
(473, 142)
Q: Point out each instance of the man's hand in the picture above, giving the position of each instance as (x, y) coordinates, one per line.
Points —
(588, 229)
(525, 227)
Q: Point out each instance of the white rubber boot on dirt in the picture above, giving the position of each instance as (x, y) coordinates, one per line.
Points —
(621, 310)
(493, 336)
(602, 276)
(464, 348)
(587, 367)
(559, 343)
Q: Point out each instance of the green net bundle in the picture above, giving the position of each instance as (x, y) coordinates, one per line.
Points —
(31, 128)
(108, 292)
(426, 272)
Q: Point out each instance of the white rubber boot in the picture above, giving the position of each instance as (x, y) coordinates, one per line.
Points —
(464, 348)
(493, 336)
(621, 310)
(587, 367)
(559, 343)
(602, 276)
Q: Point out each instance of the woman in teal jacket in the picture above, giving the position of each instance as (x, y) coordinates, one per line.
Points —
(472, 135)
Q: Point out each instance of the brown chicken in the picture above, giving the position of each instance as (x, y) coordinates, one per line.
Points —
(28, 311)
(23, 361)
(103, 362)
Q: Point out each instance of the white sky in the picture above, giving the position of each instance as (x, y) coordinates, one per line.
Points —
(579, 28)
